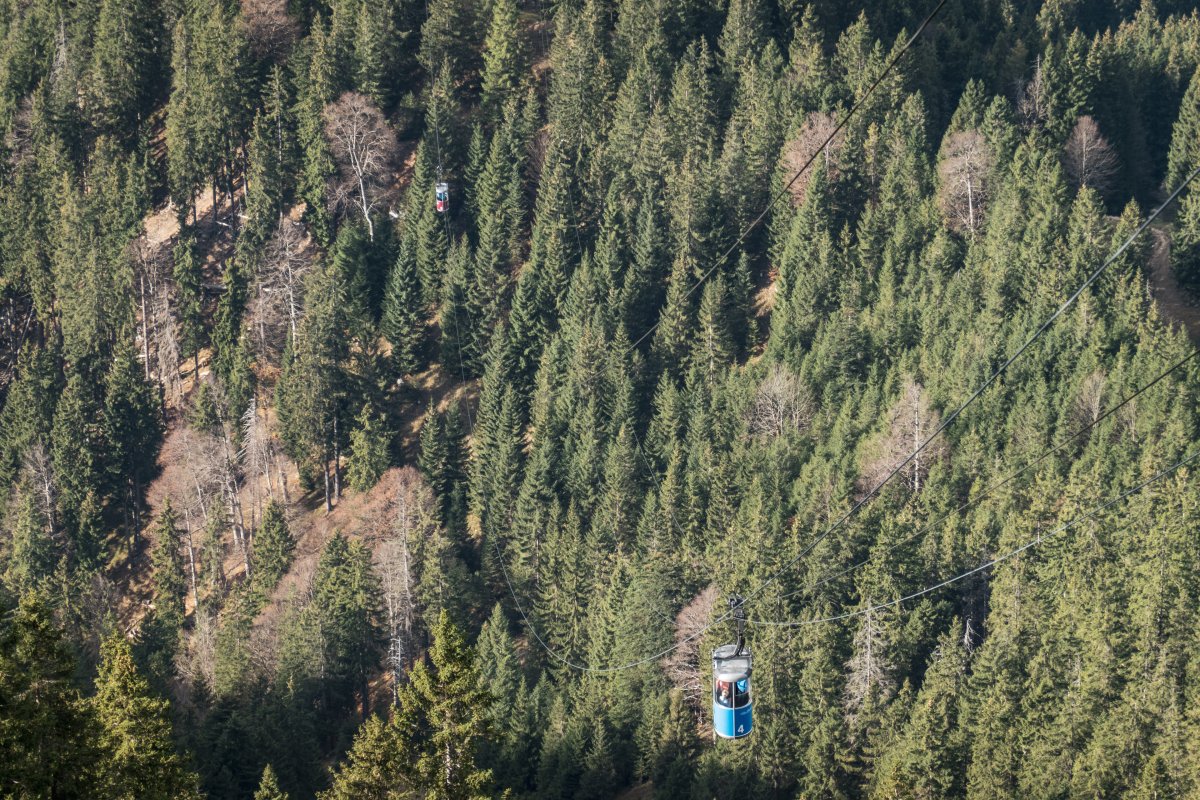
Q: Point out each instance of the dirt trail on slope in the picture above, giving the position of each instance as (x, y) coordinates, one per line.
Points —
(1175, 304)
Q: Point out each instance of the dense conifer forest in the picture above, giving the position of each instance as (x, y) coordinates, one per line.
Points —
(319, 478)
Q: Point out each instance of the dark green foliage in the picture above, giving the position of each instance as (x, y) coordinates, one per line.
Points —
(125, 66)
(503, 57)
(429, 743)
(450, 38)
(370, 443)
(268, 787)
(207, 110)
(593, 388)
(273, 162)
(403, 317)
(188, 278)
(133, 427)
(31, 556)
(47, 730)
(444, 712)
(135, 732)
(345, 600)
(314, 381)
(273, 548)
(163, 628)
(673, 752)
(77, 440)
(374, 766)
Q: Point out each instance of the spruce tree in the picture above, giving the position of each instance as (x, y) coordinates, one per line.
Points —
(189, 311)
(503, 57)
(403, 317)
(440, 461)
(185, 168)
(450, 38)
(132, 429)
(309, 391)
(75, 449)
(928, 757)
(170, 581)
(743, 36)
(675, 325)
(123, 66)
(317, 165)
(458, 342)
(268, 787)
(445, 710)
(273, 158)
(135, 731)
(373, 41)
(32, 555)
(1184, 154)
(48, 734)
(1185, 250)
(161, 631)
(714, 348)
(674, 753)
(346, 599)
(370, 442)
(376, 765)
(273, 548)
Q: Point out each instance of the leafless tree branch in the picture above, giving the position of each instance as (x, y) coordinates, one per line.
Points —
(965, 172)
(365, 149)
(1088, 157)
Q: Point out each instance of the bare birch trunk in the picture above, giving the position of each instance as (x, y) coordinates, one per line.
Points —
(191, 546)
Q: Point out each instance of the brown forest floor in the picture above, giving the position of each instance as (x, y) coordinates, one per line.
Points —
(362, 514)
(1176, 304)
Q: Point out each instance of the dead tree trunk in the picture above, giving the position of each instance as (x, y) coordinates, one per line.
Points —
(191, 547)
(337, 463)
(145, 329)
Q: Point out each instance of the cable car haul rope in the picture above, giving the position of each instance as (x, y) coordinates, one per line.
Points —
(1108, 262)
(1090, 514)
(732, 663)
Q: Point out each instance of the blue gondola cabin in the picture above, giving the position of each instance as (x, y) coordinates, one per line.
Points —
(733, 707)
(442, 197)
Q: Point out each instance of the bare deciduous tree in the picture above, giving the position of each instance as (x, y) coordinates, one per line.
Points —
(365, 148)
(810, 140)
(262, 647)
(1088, 157)
(1089, 404)
(868, 670)
(964, 173)
(1033, 99)
(278, 288)
(197, 665)
(683, 665)
(258, 456)
(39, 471)
(159, 343)
(414, 521)
(217, 471)
(782, 403)
(270, 29)
(166, 347)
(910, 422)
(193, 569)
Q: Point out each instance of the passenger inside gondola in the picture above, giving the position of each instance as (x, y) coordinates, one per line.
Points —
(741, 693)
(723, 695)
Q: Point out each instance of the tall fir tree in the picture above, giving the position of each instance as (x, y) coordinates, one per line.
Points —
(135, 731)
(445, 710)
